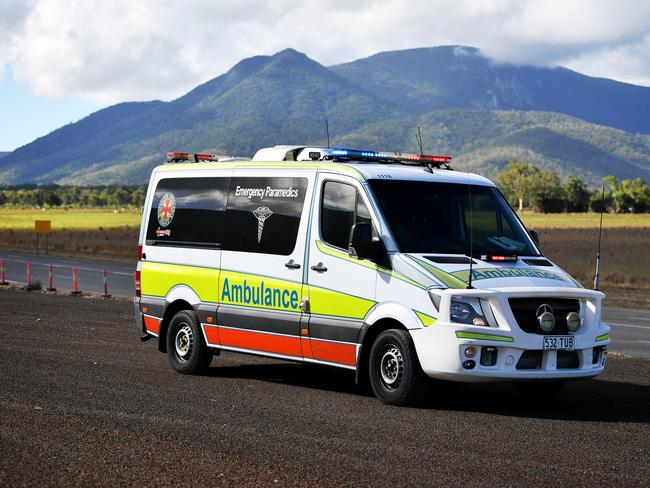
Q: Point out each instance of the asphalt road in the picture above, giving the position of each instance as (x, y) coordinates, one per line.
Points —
(89, 272)
(84, 402)
(630, 328)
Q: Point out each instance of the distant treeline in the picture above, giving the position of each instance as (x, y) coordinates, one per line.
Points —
(526, 186)
(117, 196)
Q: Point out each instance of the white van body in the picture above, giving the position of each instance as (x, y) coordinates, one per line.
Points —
(277, 279)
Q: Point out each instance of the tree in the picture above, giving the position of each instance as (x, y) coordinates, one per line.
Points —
(519, 181)
(629, 195)
(576, 195)
(137, 196)
(547, 194)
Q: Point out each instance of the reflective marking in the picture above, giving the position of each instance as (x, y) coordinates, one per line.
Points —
(484, 337)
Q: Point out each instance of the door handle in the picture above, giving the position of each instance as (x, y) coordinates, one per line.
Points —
(292, 265)
(319, 268)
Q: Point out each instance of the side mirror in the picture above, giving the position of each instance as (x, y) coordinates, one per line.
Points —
(361, 241)
(535, 236)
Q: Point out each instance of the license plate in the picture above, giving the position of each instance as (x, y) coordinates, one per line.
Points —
(562, 343)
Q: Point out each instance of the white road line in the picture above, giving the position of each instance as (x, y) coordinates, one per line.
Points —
(645, 319)
(647, 342)
(617, 324)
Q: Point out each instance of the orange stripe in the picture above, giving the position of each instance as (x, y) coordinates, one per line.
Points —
(152, 324)
(261, 342)
(334, 353)
(212, 334)
(306, 347)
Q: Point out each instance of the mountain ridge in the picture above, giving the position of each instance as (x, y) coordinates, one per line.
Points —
(463, 107)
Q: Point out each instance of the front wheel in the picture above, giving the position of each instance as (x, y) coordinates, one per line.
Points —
(395, 373)
(187, 351)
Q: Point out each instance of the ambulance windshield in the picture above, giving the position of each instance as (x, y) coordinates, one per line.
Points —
(429, 217)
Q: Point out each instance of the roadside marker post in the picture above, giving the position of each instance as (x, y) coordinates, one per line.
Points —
(42, 227)
(75, 282)
(51, 279)
(29, 276)
(2, 273)
(105, 276)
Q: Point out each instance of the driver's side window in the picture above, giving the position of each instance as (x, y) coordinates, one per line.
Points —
(341, 208)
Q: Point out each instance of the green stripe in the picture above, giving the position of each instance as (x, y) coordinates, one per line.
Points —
(426, 320)
(448, 279)
(484, 337)
(603, 337)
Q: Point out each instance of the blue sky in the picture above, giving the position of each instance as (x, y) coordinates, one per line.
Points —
(63, 59)
(26, 117)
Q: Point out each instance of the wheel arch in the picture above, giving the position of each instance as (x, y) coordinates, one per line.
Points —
(369, 332)
(180, 297)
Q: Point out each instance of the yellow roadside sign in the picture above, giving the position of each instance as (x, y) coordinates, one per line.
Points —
(43, 226)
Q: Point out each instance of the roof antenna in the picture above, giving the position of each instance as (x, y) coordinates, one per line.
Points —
(600, 234)
(471, 233)
(327, 129)
(418, 138)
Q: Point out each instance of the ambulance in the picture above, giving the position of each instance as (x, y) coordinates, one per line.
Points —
(388, 264)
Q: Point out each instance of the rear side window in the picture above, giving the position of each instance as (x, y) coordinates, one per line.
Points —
(188, 212)
(264, 214)
(341, 208)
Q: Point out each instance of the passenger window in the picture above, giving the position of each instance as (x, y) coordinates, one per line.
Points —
(263, 214)
(188, 212)
(341, 208)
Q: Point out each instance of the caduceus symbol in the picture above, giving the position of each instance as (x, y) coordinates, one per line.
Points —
(261, 214)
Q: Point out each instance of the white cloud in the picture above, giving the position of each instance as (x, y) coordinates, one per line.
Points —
(109, 51)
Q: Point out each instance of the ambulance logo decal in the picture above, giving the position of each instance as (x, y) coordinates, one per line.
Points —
(166, 209)
(261, 214)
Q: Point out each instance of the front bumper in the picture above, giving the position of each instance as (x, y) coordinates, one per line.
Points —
(441, 348)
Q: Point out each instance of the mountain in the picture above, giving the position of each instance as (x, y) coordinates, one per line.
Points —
(3, 154)
(482, 113)
(461, 77)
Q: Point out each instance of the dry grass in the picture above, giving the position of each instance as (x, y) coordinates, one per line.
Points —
(624, 265)
(119, 243)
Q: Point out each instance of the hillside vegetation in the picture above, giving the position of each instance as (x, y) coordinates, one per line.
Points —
(481, 113)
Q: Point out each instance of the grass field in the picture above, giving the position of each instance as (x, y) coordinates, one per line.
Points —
(77, 218)
(95, 218)
(583, 220)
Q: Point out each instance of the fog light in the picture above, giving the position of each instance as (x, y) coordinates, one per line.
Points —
(470, 352)
(469, 364)
(510, 360)
(488, 356)
(573, 321)
(546, 321)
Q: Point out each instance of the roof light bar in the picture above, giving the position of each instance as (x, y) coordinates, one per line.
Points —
(337, 152)
(173, 157)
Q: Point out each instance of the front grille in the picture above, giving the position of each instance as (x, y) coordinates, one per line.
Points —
(525, 312)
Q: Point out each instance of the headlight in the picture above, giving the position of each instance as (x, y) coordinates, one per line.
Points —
(464, 311)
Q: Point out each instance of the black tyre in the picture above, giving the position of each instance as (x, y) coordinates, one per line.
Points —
(187, 352)
(395, 373)
(539, 392)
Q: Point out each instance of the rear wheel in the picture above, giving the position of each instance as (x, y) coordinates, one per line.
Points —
(539, 391)
(187, 352)
(395, 373)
